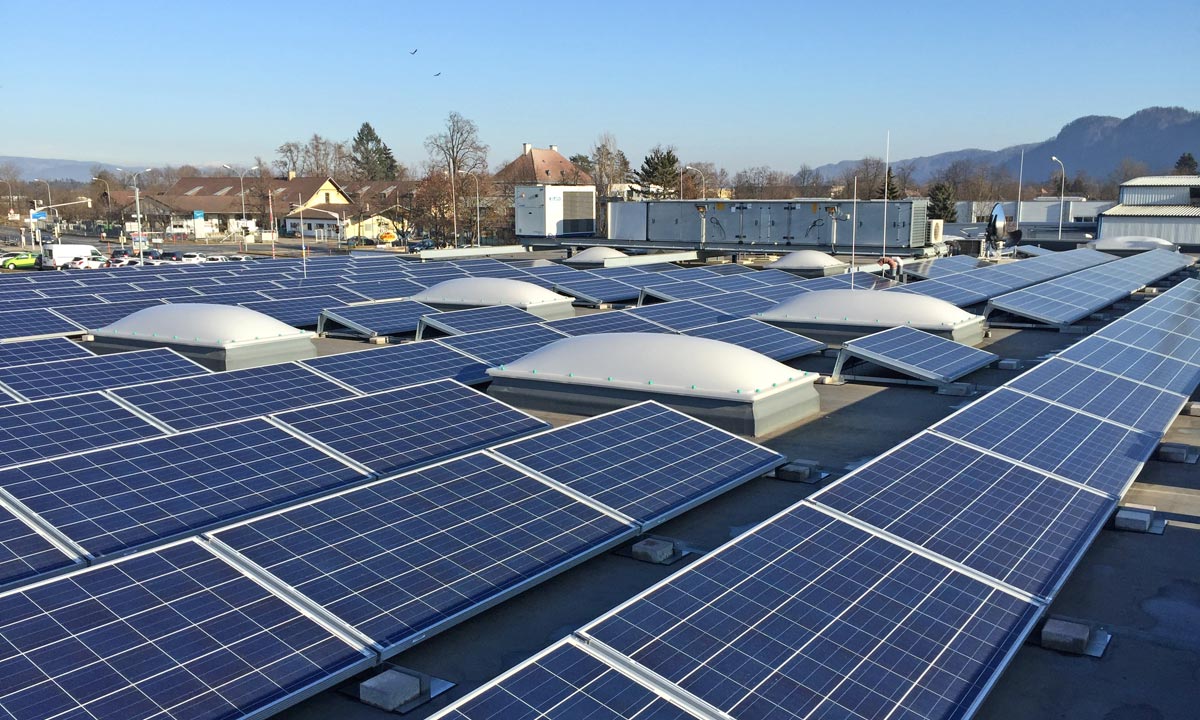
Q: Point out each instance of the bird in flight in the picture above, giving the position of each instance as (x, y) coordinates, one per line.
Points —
(414, 52)
(436, 74)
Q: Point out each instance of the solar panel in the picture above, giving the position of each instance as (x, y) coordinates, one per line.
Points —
(678, 290)
(1182, 323)
(99, 315)
(679, 315)
(605, 322)
(187, 403)
(497, 348)
(121, 497)
(234, 297)
(916, 352)
(375, 319)
(60, 426)
(1146, 365)
(25, 553)
(386, 289)
(99, 372)
(810, 617)
(1092, 452)
(776, 277)
(396, 430)
(1101, 393)
(37, 351)
(297, 312)
(737, 304)
(118, 296)
(564, 681)
(1031, 250)
(599, 291)
(396, 366)
(478, 319)
(1163, 342)
(953, 294)
(779, 293)
(403, 558)
(941, 266)
(729, 269)
(335, 291)
(617, 271)
(1011, 523)
(775, 343)
(647, 461)
(851, 281)
(173, 633)
(33, 323)
(734, 283)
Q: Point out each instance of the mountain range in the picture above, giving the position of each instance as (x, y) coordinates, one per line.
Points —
(1094, 144)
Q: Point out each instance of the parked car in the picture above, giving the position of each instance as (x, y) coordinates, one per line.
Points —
(171, 256)
(150, 253)
(88, 262)
(131, 262)
(119, 253)
(15, 260)
(215, 258)
(193, 257)
(241, 258)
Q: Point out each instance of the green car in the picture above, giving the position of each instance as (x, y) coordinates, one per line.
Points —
(15, 260)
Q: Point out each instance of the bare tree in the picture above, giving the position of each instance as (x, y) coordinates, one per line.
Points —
(457, 149)
(809, 182)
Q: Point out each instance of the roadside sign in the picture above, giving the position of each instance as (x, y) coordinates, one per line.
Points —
(37, 215)
(197, 214)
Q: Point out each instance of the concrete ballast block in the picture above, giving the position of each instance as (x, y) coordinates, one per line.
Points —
(1173, 452)
(389, 690)
(1134, 518)
(1009, 364)
(1066, 636)
(1192, 409)
(798, 471)
(653, 550)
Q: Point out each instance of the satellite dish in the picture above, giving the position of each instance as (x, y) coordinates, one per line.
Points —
(996, 229)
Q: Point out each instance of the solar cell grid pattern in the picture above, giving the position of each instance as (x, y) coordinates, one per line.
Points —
(733, 283)
(772, 276)
(171, 634)
(775, 343)
(98, 315)
(646, 461)
(941, 266)
(399, 429)
(605, 322)
(618, 271)
(385, 318)
(459, 322)
(675, 275)
(119, 296)
(679, 315)
(396, 558)
(779, 293)
(297, 312)
(500, 347)
(24, 553)
(1146, 337)
(599, 290)
(99, 372)
(851, 281)
(909, 349)
(810, 617)
(59, 426)
(121, 497)
(33, 322)
(566, 682)
(1016, 525)
(397, 366)
(386, 289)
(729, 269)
(38, 351)
(1182, 323)
(1101, 455)
(189, 403)
(678, 290)
(337, 292)
(737, 304)
(1151, 364)
(1101, 393)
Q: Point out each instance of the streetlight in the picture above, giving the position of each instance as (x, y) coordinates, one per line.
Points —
(703, 182)
(49, 200)
(242, 190)
(1062, 193)
(137, 204)
(474, 177)
(10, 195)
(107, 196)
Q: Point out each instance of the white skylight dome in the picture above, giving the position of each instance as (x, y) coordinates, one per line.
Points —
(594, 256)
(1132, 242)
(868, 307)
(200, 324)
(487, 291)
(805, 260)
(657, 362)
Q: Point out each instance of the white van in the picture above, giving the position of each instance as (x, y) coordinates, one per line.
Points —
(58, 255)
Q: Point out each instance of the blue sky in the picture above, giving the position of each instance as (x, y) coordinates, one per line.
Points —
(737, 84)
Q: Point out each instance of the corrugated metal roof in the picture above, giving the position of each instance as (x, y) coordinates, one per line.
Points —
(1152, 211)
(1164, 181)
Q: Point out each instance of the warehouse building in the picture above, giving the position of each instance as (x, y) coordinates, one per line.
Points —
(1162, 206)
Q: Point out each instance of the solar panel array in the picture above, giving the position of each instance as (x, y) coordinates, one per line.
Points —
(775, 343)
(939, 267)
(1073, 297)
(97, 372)
(903, 589)
(375, 319)
(917, 353)
(460, 322)
(37, 351)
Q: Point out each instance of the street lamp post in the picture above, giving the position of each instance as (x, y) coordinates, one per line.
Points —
(242, 189)
(478, 240)
(107, 194)
(49, 200)
(1062, 193)
(137, 205)
(703, 182)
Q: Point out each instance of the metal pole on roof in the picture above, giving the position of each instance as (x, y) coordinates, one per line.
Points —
(854, 233)
(887, 157)
(1062, 193)
(1020, 181)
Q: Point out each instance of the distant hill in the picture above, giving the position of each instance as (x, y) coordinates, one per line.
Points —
(1094, 144)
(30, 168)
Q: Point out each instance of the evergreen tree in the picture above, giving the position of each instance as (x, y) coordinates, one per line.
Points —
(893, 190)
(1186, 165)
(941, 203)
(661, 168)
(371, 158)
